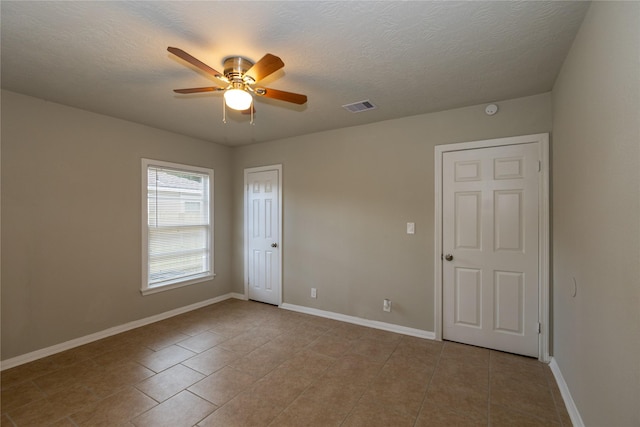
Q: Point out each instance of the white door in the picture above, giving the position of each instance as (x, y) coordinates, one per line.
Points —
(490, 247)
(262, 227)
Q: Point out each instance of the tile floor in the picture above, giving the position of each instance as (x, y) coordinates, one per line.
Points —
(240, 363)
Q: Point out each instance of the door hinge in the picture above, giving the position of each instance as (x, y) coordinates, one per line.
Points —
(539, 165)
(539, 327)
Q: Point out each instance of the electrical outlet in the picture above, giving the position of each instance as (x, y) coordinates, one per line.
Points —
(314, 293)
(386, 305)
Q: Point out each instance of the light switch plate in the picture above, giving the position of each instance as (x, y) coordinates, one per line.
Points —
(411, 228)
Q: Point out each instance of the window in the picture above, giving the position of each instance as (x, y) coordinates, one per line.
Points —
(177, 225)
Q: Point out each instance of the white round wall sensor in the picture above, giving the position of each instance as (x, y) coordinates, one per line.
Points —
(491, 109)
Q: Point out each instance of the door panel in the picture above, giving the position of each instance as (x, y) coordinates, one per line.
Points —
(468, 300)
(508, 220)
(508, 302)
(468, 215)
(263, 231)
(490, 227)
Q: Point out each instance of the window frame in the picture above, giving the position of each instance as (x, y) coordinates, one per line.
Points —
(146, 289)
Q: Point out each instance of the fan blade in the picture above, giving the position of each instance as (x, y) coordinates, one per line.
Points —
(267, 65)
(198, 90)
(195, 62)
(296, 98)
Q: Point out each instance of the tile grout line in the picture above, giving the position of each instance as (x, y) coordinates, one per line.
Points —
(550, 386)
(372, 380)
(207, 415)
(10, 419)
(134, 385)
(528, 413)
(424, 398)
(489, 372)
(306, 347)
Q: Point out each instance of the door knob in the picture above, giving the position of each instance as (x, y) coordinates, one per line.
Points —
(448, 257)
(274, 245)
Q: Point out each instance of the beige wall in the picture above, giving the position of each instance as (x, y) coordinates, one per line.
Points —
(348, 195)
(71, 215)
(71, 222)
(596, 221)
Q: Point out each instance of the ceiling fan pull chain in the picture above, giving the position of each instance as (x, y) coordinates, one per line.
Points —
(251, 122)
(224, 112)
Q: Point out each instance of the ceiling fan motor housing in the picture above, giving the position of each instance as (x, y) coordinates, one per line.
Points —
(235, 68)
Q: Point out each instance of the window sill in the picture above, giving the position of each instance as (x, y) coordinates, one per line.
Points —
(168, 287)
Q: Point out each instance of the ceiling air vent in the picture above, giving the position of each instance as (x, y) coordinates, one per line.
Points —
(358, 107)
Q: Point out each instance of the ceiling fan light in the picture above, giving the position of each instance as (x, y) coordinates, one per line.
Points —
(238, 99)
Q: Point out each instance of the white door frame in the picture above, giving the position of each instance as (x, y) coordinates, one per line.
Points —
(247, 171)
(542, 139)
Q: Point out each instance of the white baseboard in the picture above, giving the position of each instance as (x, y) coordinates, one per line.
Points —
(48, 351)
(572, 409)
(360, 321)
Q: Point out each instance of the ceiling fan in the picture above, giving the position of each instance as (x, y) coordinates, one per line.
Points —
(239, 77)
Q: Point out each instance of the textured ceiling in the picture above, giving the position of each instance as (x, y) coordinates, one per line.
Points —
(407, 58)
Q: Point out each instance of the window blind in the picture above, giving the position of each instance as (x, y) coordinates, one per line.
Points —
(179, 225)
